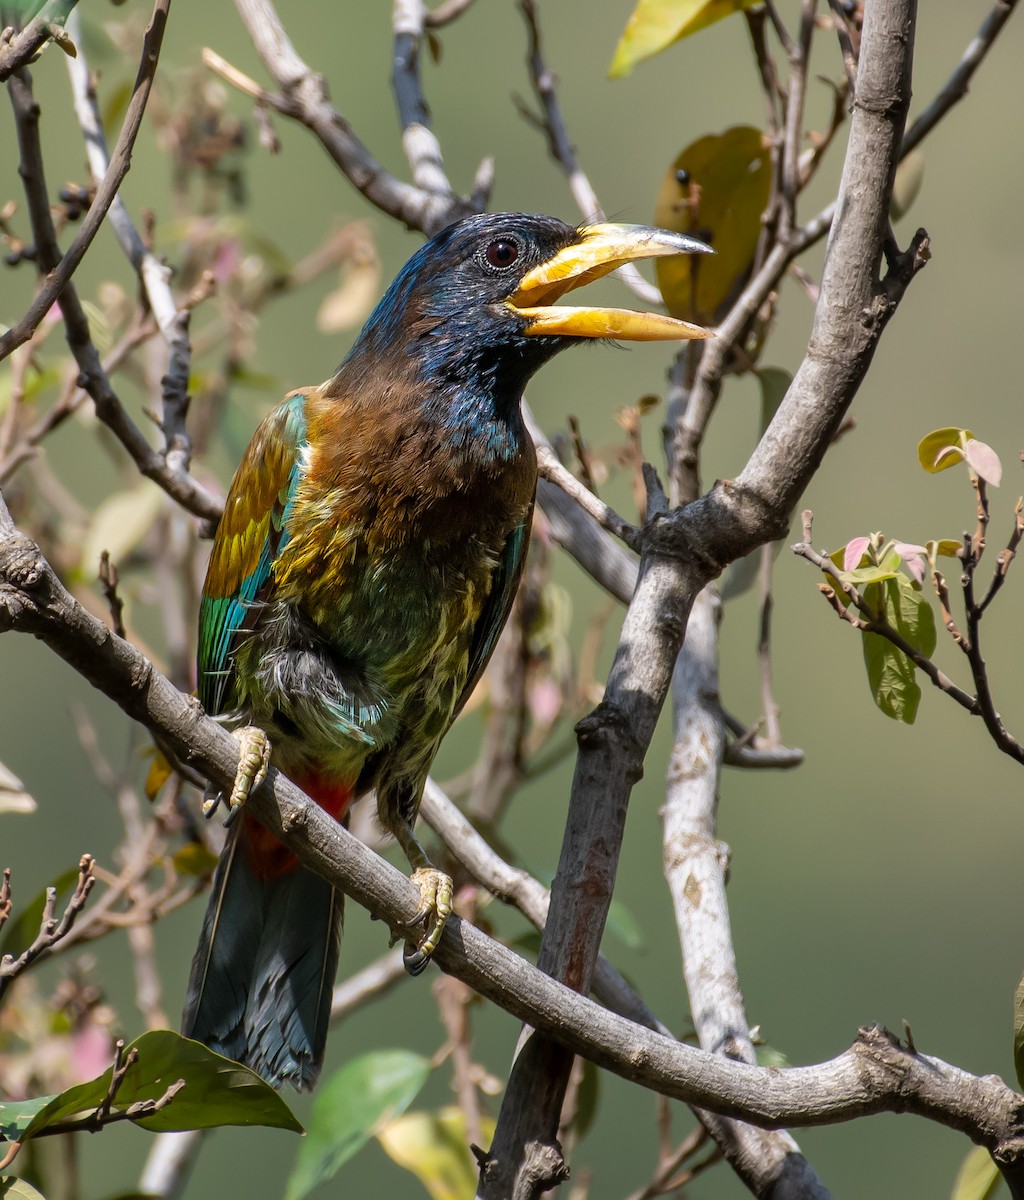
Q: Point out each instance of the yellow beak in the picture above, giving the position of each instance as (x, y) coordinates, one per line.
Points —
(600, 249)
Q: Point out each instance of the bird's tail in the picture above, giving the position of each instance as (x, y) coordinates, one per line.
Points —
(262, 977)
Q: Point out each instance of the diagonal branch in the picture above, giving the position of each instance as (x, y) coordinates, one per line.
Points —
(564, 153)
(155, 276)
(304, 98)
(93, 377)
(120, 162)
(877, 1074)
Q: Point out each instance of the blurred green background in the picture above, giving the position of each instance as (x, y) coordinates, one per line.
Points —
(881, 881)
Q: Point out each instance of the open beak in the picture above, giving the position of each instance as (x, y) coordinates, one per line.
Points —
(600, 249)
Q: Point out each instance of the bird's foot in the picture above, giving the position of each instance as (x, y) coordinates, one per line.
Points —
(253, 762)
(436, 891)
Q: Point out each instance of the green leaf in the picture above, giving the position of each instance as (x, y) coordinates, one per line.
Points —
(1018, 1031)
(217, 1091)
(350, 1108)
(769, 1056)
(861, 577)
(912, 615)
(721, 198)
(17, 1115)
(942, 448)
(23, 930)
(944, 548)
(115, 105)
(13, 1188)
(892, 676)
(774, 383)
(978, 1176)
(433, 1146)
(624, 925)
(587, 1096)
(119, 524)
(655, 24)
(892, 679)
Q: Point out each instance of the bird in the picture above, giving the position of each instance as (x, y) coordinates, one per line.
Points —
(366, 561)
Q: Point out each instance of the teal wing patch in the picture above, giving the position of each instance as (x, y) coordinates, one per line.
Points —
(249, 538)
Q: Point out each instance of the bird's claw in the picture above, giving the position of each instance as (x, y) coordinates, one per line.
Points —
(436, 891)
(253, 763)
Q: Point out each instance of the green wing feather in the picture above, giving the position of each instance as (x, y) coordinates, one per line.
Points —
(249, 537)
(497, 606)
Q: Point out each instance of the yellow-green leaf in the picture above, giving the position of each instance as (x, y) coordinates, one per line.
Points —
(655, 24)
(946, 547)
(13, 1188)
(119, 524)
(360, 1099)
(942, 448)
(434, 1146)
(194, 859)
(978, 1176)
(716, 189)
(906, 185)
(159, 772)
(1018, 1031)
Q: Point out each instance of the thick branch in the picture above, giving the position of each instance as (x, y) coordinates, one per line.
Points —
(877, 1074)
(681, 552)
(696, 866)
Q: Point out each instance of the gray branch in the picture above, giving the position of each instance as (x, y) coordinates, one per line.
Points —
(304, 98)
(682, 550)
(877, 1074)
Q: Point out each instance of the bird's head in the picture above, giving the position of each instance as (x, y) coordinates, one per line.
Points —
(489, 284)
(473, 312)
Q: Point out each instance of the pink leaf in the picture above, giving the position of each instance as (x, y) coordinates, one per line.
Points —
(984, 461)
(915, 558)
(854, 553)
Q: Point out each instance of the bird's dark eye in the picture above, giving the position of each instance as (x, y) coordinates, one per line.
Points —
(501, 253)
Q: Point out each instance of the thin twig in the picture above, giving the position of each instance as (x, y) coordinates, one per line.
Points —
(154, 275)
(120, 162)
(304, 98)
(564, 153)
(799, 56)
(958, 84)
(979, 705)
(93, 378)
(551, 469)
(422, 149)
(17, 50)
(446, 12)
(368, 984)
(52, 929)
